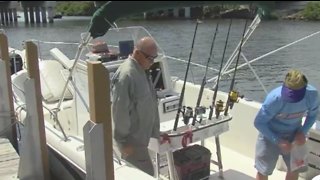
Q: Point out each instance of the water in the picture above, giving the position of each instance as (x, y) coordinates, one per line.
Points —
(175, 37)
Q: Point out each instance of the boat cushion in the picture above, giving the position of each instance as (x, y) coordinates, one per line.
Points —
(18, 80)
(52, 81)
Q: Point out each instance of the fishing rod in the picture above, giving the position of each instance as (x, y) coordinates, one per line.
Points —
(185, 79)
(234, 95)
(198, 109)
(219, 75)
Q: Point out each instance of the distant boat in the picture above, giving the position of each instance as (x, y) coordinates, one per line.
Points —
(57, 16)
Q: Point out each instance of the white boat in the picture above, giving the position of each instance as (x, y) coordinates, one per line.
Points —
(65, 116)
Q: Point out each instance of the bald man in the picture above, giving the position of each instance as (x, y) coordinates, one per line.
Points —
(134, 106)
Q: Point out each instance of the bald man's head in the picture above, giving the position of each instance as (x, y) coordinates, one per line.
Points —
(147, 45)
(145, 52)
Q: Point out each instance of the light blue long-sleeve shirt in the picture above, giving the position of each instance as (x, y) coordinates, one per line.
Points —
(278, 118)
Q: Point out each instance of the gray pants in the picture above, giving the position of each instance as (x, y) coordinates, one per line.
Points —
(140, 159)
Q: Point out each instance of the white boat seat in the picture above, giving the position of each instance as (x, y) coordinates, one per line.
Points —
(64, 60)
(52, 81)
(18, 80)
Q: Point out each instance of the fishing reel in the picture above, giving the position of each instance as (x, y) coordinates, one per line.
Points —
(219, 108)
(187, 114)
(234, 98)
(200, 111)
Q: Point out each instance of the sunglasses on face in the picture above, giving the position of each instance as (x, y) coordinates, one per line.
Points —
(151, 58)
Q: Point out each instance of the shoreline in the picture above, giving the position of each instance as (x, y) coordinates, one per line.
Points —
(284, 18)
(310, 12)
(289, 18)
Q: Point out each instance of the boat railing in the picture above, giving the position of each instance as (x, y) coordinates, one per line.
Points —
(227, 71)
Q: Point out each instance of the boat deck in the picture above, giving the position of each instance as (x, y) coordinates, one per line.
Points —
(9, 160)
(237, 166)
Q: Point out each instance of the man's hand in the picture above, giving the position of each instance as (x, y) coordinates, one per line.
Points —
(300, 138)
(126, 151)
(285, 146)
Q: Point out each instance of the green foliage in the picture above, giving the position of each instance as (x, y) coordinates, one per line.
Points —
(273, 16)
(312, 11)
(209, 11)
(215, 10)
(75, 8)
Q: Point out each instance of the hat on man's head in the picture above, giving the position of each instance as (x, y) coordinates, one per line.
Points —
(294, 86)
(100, 47)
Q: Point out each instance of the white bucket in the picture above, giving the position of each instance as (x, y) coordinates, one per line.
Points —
(318, 125)
(316, 178)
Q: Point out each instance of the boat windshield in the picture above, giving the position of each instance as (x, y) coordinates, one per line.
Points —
(122, 40)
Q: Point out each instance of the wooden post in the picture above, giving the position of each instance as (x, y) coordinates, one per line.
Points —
(98, 131)
(10, 15)
(26, 16)
(44, 15)
(50, 14)
(32, 64)
(37, 12)
(98, 97)
(15, 15)
(6, 92)
(6, 16)
(187, 12)
(145, 15)
(176, 12)
(1, 16)
(31, 13)
(34, 152)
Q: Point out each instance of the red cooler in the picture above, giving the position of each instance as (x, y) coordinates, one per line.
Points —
(192, 163)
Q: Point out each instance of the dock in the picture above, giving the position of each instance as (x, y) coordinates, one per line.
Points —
(9, 160)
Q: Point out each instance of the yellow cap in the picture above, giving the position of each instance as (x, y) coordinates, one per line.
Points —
(295, 80)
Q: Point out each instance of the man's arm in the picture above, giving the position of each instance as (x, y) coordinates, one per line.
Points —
(269, 109)
(120, 110)
(156, 128)
(313, 101)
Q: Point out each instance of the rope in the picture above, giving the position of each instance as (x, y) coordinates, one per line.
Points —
(192, 63)
(114, 25)
(165, 138)
(12, 116)
(8, 128)
(265, 55)
(185, 138)
(255, 74)
(54, 42)
(18, 88)
(21, 107)
(8, 114)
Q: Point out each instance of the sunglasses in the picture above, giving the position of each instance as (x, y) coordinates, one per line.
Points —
(151, 58)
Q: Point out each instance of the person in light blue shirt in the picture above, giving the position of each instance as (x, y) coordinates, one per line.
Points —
(279, 123)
